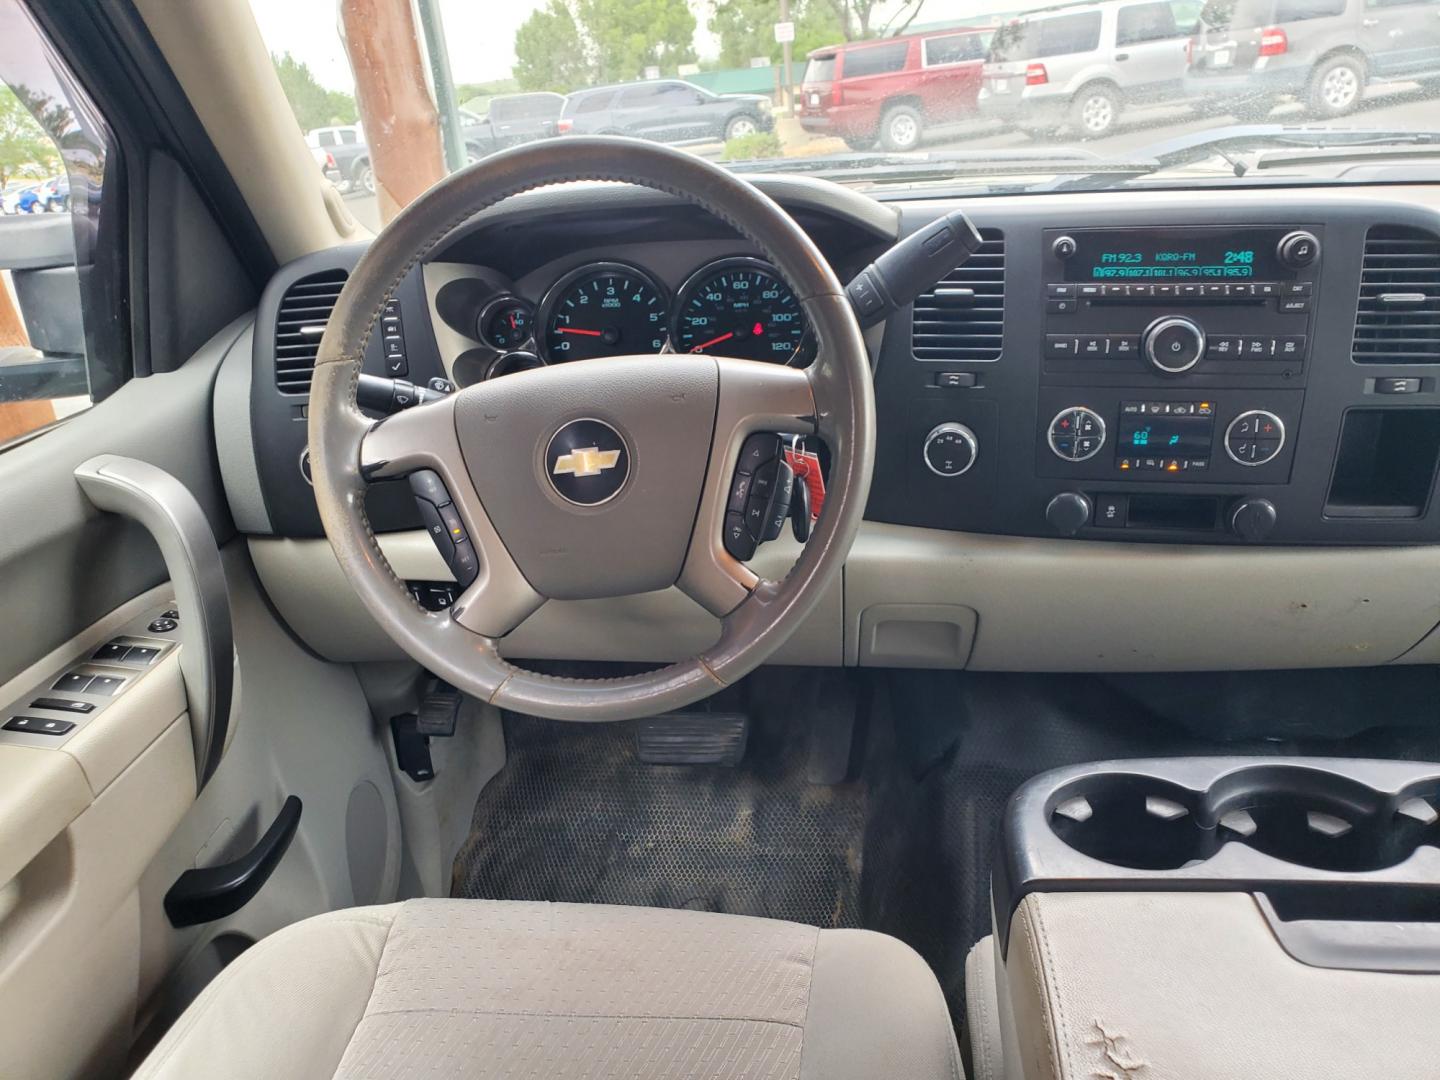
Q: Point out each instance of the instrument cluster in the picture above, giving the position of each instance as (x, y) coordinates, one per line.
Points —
(737, 307)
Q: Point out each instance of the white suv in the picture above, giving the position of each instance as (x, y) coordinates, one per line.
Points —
(1080, 65)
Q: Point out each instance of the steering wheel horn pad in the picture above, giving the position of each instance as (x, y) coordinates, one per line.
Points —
(595, 479)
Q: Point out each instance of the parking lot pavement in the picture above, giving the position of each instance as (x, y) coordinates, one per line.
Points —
(1398, 105)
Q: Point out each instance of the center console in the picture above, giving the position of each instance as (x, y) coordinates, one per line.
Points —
(1201, 382)
(1206, 917)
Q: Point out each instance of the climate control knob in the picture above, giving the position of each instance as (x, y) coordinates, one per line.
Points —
(1174, 344)
(950, 450)
(1252, 519)
(1068, 512)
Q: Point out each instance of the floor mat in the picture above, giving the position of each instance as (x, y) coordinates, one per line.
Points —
(575, 816)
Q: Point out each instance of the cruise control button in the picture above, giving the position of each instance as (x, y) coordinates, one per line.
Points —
(428, 486)
(465, 563)
(453, 525)
(435, 526)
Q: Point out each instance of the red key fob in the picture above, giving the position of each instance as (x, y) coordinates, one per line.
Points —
(806, 464)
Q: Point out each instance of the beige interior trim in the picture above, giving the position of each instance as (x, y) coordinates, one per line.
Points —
(221, 62)
(304, 582)
(1194, 986)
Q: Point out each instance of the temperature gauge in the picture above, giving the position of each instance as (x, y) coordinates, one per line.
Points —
(506, 323)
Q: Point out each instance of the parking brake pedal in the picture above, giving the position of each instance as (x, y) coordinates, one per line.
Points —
(700, 738)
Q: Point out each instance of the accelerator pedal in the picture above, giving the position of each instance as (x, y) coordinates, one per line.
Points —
(697, 738)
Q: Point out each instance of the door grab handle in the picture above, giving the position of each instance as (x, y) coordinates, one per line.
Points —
(212, 892)
(168, 510)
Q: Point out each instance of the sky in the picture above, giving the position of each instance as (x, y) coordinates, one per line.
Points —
(481, 32)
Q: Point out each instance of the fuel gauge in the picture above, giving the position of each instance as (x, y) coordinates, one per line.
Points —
(506, 323)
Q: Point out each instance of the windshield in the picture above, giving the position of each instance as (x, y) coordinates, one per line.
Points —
(892, 95)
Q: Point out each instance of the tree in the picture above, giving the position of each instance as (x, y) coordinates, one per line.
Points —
(746, 28)
(573, 43)
(630, 35)
(25, 149)
(549, 52)
(312, 104)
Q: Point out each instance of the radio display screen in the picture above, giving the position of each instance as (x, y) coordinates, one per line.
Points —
(1165, 436)
(1175, 255)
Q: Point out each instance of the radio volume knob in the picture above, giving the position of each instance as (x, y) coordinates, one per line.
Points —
(1298, 250)
(1064, 248)
(1174, 344)
(950, 450)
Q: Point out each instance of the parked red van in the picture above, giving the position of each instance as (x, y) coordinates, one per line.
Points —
(892, 89)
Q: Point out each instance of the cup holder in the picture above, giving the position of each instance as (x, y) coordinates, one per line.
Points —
(1304, 816)
(1132, 821)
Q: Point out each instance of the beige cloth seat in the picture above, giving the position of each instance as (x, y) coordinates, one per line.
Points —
(478, 988)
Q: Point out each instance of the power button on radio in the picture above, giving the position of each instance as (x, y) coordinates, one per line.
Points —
(1174, 344)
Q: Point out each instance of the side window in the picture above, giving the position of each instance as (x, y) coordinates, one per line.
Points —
(1287, 11)
(349, 137)
(1065, 34)
(52, 166)
(641, 97)
(679, 94)
(594, 103)
(327, 138)
(1187, 15)
(953, 49)
(875, 59)
(1140, 23)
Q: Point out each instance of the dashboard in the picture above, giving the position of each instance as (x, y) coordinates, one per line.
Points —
(1115, 400)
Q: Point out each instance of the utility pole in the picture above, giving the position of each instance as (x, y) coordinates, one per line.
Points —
(449, 108)
(785, 57)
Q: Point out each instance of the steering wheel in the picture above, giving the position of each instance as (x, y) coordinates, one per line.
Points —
(672, 428)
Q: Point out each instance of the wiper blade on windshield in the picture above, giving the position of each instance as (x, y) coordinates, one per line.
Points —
(1228, 142)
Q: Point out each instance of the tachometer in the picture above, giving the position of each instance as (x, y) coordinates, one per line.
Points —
(739, 307)
(605, 309)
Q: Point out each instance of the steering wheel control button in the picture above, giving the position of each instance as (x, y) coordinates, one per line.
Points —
(951, 449)
(738, 541)
(427, 485)
(587, 462)
(39, 725)
(1174, 344)
(1254, 437)
(1076, 434)
(465, 563)
(758, 449)
(739, 492)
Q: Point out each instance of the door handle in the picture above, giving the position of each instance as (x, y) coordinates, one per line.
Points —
(1122, 56)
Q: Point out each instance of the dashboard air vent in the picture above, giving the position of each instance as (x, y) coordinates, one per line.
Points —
(963, 316)
(300, 321)
(1398, 321)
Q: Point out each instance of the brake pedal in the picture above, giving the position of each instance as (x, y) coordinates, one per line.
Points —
(700, 738)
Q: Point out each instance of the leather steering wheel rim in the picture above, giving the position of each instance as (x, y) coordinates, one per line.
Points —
(833, 399)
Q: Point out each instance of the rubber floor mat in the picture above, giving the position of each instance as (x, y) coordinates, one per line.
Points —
(574, 816)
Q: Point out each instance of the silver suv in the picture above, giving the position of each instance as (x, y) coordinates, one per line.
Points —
(1080, 65)
(1247, 54)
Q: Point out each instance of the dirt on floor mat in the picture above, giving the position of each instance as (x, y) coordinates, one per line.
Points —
(575, 816)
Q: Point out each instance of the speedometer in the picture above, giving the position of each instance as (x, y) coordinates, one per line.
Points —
(739, 307)
(605, 309)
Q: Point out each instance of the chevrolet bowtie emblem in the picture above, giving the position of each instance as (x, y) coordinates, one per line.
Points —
(587, 461)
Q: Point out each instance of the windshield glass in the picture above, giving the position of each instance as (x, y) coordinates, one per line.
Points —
(886, 94)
